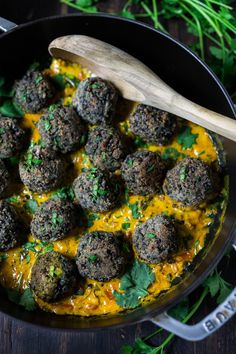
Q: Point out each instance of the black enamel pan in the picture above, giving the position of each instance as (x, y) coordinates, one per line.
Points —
(188, 75)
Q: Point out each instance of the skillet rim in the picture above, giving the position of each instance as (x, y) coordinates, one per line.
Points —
(196, 282)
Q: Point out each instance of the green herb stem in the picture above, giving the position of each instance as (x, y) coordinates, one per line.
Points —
(77, 7)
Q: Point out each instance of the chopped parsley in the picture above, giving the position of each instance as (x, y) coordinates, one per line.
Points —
(186, 138)
(135, 210)
(55, 272)
(65, 193)
(31, 206)
(36, 247)
(134, 284)
(130, 162)
(151, 168)
(31, 161)
(47, 124)
(92, 257)
(125, 226)
(91, 218)
(57, 219)
(150, 235)
(83, 139)
(171, 153)
(3, 257)
(182, 173)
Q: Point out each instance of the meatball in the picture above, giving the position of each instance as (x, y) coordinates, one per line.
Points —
(152, 124)
(53, 276)
(54, 220)
(61, 129)
(40, 170)
(100, 256)
(143, 172)
(95, 100)
(190, 181)
(10, 227)
(4, 178)
(105, 148)
(155, 240)
(33, 91)
(95, 191)
(11, 137)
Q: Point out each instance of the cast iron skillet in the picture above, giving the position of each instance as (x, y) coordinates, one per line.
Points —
(183, 71)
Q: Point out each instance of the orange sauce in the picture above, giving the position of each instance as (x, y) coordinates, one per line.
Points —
(97, 298)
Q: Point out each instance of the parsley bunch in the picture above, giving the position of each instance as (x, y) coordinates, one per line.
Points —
(214, 285)
(211, 22)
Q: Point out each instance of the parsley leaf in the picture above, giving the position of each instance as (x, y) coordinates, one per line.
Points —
(218, 286)
(180, 310)
(65, 193)
(135, 210)
(9, 109)
(26, 299)
(3, 257)
(171, 153)
(31, 206)
(125, 226)
(186, 138)
(134, 283)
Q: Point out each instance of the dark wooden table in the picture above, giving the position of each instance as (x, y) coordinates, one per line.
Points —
(19, 338)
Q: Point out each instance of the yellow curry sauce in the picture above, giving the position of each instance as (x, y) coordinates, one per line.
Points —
(97, 298)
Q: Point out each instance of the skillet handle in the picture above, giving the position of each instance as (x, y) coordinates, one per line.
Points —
(205, 327)
(6, 25)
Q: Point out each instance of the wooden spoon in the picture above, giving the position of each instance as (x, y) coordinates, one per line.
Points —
(136, 81)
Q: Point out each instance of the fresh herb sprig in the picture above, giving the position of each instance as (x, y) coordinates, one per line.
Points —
(214, 285)
(134, 284)
(211, 22)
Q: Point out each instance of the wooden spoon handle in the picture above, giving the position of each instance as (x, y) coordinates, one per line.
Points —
(136, 81)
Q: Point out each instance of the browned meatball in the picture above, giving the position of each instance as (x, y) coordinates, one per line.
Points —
(41, 170)
(100, 256)
(54, 219)
(11, 137)
(96, 191)
(155, 240)
(152, 124)
(33, 92)
(95, 100)
(61, 129)
(143, 172)
(106, 148)
(190, 181)
(53, 276)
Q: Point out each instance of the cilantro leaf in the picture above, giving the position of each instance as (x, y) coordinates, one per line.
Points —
(180, 310)
(171, 153)
(186, 138)
(216, 285)
(213, 284)
(3, 257)
(65, 193)
(31, 206)
(134, 283)
(125, 226)
(135, 210)
(9, 109)
(25, 299)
